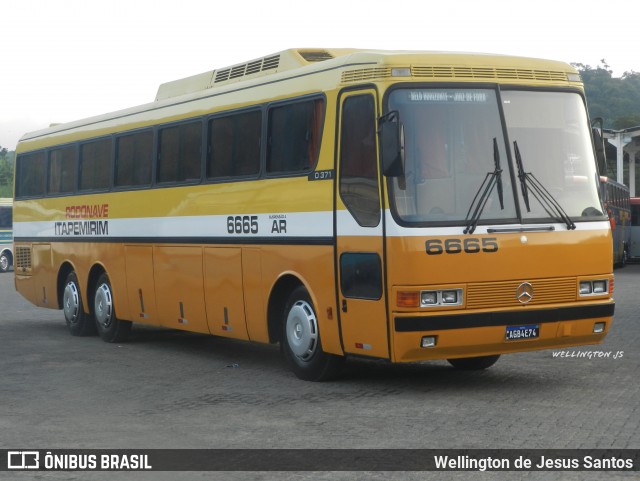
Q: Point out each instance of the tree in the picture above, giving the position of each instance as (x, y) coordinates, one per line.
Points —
(615, 100)
(6, 173)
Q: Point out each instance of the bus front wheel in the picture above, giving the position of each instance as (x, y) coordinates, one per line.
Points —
(474, 363)
(301, 344)
(110, 328)
(78, 322)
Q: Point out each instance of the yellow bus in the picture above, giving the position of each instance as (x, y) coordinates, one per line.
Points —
(617, 203)
(403, 206)
(6, 233)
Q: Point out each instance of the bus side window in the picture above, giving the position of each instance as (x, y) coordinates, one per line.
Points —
(62, 170)
(179, 153)
(31, 175)
(234, 145)
(134, 153)
(358, 166)
(294, 136)
(95, 164)
(5, 217)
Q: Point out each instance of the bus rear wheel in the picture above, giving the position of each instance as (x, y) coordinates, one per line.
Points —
(301, 344)
(110, 328)
(78, 322)
(474, 363)
(5, 262)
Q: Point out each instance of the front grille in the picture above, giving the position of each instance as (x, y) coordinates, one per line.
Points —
(486, 295)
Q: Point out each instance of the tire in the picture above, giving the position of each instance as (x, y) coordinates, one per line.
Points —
(5, 262)
(78, 322)
(110, 328)
(301, 344)
(474, 363)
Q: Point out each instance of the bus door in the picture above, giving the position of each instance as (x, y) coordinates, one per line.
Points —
(359, 229)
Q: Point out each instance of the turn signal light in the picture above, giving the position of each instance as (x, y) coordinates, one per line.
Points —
(408, 299)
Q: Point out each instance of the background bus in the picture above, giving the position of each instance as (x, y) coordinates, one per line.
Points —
(389, 205)
(617, 203)
(6, 234)
(634, 244)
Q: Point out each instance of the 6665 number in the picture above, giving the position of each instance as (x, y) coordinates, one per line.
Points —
(469, 245)
(242, 224)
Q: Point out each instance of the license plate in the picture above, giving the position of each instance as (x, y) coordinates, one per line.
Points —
(515, 333)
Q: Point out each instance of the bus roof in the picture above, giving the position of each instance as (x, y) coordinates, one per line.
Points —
(352, 66)
(293, 59)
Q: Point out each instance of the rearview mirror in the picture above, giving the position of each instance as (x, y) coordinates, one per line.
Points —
(598, 142)
(391, 133)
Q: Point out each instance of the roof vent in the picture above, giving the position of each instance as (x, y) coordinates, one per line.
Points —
(316, 55)
(249, 68)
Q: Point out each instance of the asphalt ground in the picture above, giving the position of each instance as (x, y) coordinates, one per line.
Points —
(166, 389)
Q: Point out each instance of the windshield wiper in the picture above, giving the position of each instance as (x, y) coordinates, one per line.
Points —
(542, 195)
(491, 180)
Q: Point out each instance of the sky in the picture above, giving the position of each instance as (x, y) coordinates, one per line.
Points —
(64, 60)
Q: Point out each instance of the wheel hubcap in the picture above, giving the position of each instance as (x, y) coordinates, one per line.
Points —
(71, 302)
(4, 263)
(302, 330)
(103, 306)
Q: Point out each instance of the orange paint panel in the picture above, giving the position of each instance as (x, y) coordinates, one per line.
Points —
(533, 255)
(363, 321)
(45, 289)
(314, 267)
(485, 341)
(178, 276)
(254, 303)
(224, 298)
(140, 285)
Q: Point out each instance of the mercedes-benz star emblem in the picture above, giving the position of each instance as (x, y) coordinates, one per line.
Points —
(524, 292)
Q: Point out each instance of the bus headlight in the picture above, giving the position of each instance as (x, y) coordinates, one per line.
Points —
(445, 297)
(450, 297)
(429, 298)
(595, 287)
(586, 288)
(599, 287)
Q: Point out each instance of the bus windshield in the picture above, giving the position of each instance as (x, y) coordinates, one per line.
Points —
(450, 150)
